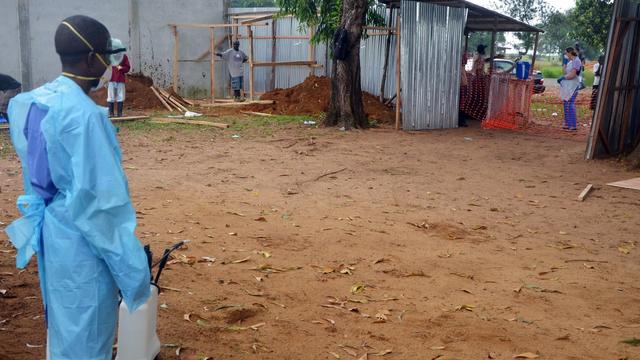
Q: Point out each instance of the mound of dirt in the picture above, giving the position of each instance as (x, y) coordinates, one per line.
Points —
(311, 97)
(138, 94)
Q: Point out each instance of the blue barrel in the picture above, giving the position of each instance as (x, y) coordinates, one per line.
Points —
(522, 70)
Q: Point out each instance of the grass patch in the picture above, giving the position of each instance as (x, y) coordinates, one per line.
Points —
(149, 125)
(553, 71)
(265, 124)
(632, 342)
(6, 147)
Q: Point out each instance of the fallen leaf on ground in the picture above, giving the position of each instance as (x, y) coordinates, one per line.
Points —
(526, 355)
(380, 260)
(624, 250)
(357, 288)
(234, 213)
(207, 259)
(242, 260)
(34, 346)
(254, 293)
(383, 352)
(346, 349)
(492, 355)
(438, 347)
(564, 337)
(261, 219)
(466, 307)
(183, 259)
(363, 357)
(264, 254)
(327, 270)
(334, 355)
(479, 227)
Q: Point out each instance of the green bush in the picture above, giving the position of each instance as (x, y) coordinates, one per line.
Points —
(552, 72)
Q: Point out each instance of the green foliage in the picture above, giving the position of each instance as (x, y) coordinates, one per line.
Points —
(324, 15)
(527, 11)
(632, 342)
(557, 36)
(552, 72)
(252, 3)
(591, 22)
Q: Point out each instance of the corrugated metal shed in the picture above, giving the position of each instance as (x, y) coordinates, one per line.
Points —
(616, 124)
(431, 51)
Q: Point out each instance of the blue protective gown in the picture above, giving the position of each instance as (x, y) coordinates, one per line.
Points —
(77, 218)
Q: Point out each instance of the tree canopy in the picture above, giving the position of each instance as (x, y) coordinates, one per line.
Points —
(324, 15)
(591, 21)
(528, 11)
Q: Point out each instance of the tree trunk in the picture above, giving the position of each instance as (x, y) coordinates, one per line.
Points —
(346, 108)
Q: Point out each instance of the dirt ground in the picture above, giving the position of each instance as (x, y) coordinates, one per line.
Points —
(457, 244)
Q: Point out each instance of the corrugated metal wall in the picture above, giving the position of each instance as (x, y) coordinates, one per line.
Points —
(616, 125)
(286, 50)
(431, 51)
(372, 51)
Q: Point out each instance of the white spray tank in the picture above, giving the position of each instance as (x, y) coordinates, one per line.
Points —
(137, 336)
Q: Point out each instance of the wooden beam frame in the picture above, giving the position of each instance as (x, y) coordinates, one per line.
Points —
(212, 64)
(535, 54)
(251, 62)
(206, 26)
(176, 55)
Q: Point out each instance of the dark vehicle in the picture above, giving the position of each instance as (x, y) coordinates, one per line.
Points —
(502, 65)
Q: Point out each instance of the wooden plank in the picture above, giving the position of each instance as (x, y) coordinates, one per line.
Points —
(171, 101)
(257, 113)
(251, 61)
(189, 122)
(238, 104)
(258, 19)
(284, 37)
(128, 118)
(176, 54)
(633, 184)
(212, 65)
(166, 106)
(287, 63)
(585, 192)
(384, 28)
(274, 32)
(206, 26)
(398, 66)
(312, 51)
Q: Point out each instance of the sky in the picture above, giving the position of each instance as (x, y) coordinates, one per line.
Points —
(558, 4)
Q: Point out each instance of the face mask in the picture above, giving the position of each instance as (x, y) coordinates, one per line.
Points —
(103, 80)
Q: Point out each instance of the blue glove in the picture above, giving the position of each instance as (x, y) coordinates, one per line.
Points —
(560, 80)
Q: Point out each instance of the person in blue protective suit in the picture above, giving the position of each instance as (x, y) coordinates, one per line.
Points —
(77, 214)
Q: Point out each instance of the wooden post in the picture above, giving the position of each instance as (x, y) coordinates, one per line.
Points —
(312, 51)
(535, 53)
(466, 43)
(250, 31)
(212, 64)
(176, 53)
(398, 65)
(387, 48)
(493, 51)
(274, 34)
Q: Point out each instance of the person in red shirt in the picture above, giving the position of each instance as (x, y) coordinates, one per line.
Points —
(116, 88)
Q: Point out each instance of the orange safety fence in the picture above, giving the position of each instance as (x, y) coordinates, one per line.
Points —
(509, 102)
(500, 101)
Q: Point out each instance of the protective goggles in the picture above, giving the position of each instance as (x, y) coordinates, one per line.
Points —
(112, 53)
